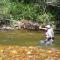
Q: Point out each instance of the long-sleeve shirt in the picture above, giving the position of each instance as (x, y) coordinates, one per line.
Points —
(50, 33)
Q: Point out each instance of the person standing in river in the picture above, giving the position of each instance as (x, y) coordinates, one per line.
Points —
(49, 34)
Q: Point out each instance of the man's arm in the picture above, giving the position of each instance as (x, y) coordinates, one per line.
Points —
(42, 28)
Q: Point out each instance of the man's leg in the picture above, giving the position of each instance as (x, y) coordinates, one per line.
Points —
(47, 41)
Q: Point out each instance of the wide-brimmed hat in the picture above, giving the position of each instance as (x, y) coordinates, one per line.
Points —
(48, 26)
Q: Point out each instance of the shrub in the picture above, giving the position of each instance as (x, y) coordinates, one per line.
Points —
(46, 18)
(25, 11)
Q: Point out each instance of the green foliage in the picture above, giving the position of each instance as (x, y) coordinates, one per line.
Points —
(24, 11)
(5, 6)
(46, 18)
(21, 9)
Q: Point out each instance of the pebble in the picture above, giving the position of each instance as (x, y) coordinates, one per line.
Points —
(26, 53)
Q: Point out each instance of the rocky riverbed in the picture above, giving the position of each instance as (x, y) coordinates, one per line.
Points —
(28, 53)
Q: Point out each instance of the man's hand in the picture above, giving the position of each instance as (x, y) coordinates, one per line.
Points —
(40, 27)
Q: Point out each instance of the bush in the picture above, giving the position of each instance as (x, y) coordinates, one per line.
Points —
(25, 11)
(30, 11)
(46, 18)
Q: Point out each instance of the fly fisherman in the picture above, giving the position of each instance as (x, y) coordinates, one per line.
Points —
(49, 35)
